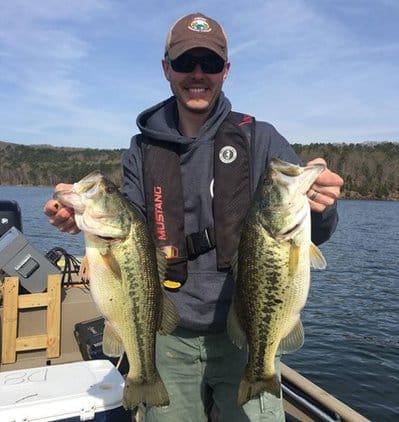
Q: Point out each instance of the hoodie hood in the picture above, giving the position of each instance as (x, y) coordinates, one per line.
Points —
(160, 121)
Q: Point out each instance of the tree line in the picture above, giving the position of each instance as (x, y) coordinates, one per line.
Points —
(370, 170)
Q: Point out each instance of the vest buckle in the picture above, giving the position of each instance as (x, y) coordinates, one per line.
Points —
(201, 242)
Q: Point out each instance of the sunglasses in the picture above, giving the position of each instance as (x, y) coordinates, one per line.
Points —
(186, 63)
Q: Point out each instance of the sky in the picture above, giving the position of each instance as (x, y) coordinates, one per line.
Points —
(77, 73)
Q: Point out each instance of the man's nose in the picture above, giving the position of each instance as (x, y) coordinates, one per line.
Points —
(197, 71)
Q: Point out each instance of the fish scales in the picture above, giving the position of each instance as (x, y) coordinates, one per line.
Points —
(145, 298)
(129, 303)
(262, 293)
(124, 282)
(272, 273)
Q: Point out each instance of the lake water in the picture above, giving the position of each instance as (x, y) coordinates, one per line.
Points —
(351, 318)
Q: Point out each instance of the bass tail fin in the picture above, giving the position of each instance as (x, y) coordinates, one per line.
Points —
(249, 390)
(152, 394)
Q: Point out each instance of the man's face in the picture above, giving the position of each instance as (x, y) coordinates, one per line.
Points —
(196, 91)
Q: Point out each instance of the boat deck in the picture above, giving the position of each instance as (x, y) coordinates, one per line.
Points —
(303, 400)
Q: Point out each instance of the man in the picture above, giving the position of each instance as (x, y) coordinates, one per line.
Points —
(191, 172)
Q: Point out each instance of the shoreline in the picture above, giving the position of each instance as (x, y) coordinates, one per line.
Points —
(346, 195)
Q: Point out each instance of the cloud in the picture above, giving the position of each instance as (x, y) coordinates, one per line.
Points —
(41, 51)
(80, 71)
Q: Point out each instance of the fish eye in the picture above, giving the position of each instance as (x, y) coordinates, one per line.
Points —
(110, 189)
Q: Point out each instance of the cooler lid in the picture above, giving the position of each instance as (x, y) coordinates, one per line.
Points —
(60, 391)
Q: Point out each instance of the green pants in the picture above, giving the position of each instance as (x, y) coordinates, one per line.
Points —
(202, 374)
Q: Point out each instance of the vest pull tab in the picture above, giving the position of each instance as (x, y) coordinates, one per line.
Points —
(172, 285)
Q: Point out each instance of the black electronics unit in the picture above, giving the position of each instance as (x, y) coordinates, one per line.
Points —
(89, 336)
(19, 258)
(10, 216)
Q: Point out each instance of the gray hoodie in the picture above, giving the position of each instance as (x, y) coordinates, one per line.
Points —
(204, 299)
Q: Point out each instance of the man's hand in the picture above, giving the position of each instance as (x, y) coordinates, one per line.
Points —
(60, 216)
(326, 188)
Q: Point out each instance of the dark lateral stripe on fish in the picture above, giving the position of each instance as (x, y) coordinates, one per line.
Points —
(136, 287)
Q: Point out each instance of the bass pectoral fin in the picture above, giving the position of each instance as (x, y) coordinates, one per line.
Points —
(84, 269)
(317, 259)
(294, 340)
(293, 258)
(110, 261)
(112, 343)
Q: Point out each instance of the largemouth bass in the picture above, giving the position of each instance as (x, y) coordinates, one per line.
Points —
(124, 283)
(272, 274)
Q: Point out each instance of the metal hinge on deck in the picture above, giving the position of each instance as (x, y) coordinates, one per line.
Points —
(88, 413)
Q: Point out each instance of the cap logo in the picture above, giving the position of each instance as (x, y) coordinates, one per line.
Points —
(227, 154)
(199, 25)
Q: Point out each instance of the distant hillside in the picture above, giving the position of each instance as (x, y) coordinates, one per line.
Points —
(370, 170)
(44, 165)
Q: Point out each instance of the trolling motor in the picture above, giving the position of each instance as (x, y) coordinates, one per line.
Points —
(19, 258)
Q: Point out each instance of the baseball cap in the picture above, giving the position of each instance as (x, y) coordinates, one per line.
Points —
(196, 30)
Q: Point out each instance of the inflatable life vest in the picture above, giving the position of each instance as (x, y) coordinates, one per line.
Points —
(232, 195)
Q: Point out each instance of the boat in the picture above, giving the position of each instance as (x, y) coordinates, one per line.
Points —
(34, 312)
(303, 400)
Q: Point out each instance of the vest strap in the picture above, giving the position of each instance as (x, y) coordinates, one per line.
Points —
(232, 195)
